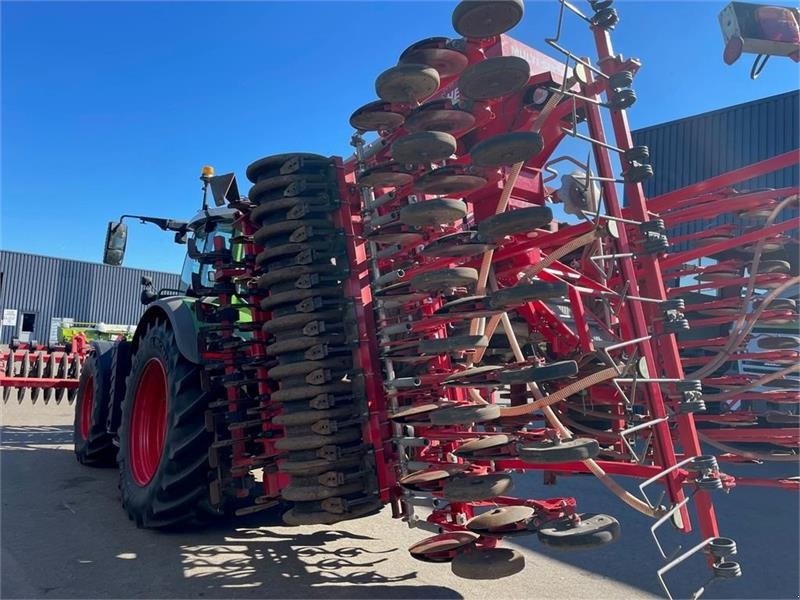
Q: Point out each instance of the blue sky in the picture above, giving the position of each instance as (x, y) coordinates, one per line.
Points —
(112, 108)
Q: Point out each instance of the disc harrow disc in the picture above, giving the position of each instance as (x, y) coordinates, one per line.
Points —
(488, 563)
(417, 413)
(473, 488)
(442, 547)
(465, 414)
(486, 447)
(423, 481)
(500, 520)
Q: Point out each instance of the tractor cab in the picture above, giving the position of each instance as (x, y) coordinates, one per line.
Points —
(209, 231)
(207, 236)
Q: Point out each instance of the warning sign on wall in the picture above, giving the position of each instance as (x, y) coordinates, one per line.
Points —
(10, 316)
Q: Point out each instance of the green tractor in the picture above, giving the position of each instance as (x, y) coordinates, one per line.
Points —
(143, 398)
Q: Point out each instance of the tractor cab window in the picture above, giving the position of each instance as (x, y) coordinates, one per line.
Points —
(204, 241)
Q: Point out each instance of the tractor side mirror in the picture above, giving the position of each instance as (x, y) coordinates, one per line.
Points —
(116, 240)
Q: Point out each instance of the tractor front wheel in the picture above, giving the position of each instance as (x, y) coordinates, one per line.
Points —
(163, 443)
(93, 444)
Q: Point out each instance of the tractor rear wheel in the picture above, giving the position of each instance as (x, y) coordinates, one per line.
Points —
(163, 443)
(93, 444)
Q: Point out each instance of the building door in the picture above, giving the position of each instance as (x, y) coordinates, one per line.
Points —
(25, 326)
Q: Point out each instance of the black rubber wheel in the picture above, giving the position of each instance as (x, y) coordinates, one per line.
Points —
(556, 370)
(296, 295)
(388, 174)
(260, 191)
(264, 234)
(566, 451)
(163, 442)
(453, 344)
(272, 277)
(310, 493)
(423, 147)
(436, 116)
(312, 441)
(593, 530)
(522, 220)
(449, 180)
(494, 77)
(301, 344)
(407, 83)
(473, 488)
(442, 279)
(298, 320)
(302, 368)
(459, 244)
(304, 392)
(488, 563)
(93, 444)
(486, 18)
(507, 149)
(270, 166)
(309, 417)
(438, 211)
(527, 292)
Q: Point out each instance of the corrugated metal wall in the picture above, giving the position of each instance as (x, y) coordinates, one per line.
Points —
(695, 148)
(60, 288)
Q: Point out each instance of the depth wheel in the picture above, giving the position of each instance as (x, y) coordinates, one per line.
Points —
(592, 531)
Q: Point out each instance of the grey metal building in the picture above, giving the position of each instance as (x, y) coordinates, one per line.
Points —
(695, 148)
(37, 292)
(692, 149)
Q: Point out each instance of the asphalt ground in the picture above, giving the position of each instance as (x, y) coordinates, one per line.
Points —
(64, 535)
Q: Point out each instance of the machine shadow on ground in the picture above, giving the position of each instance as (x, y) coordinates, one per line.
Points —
(764, 522)
(65, 535)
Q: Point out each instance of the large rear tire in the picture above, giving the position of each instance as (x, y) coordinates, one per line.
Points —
(163, 443)
(93, 444)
